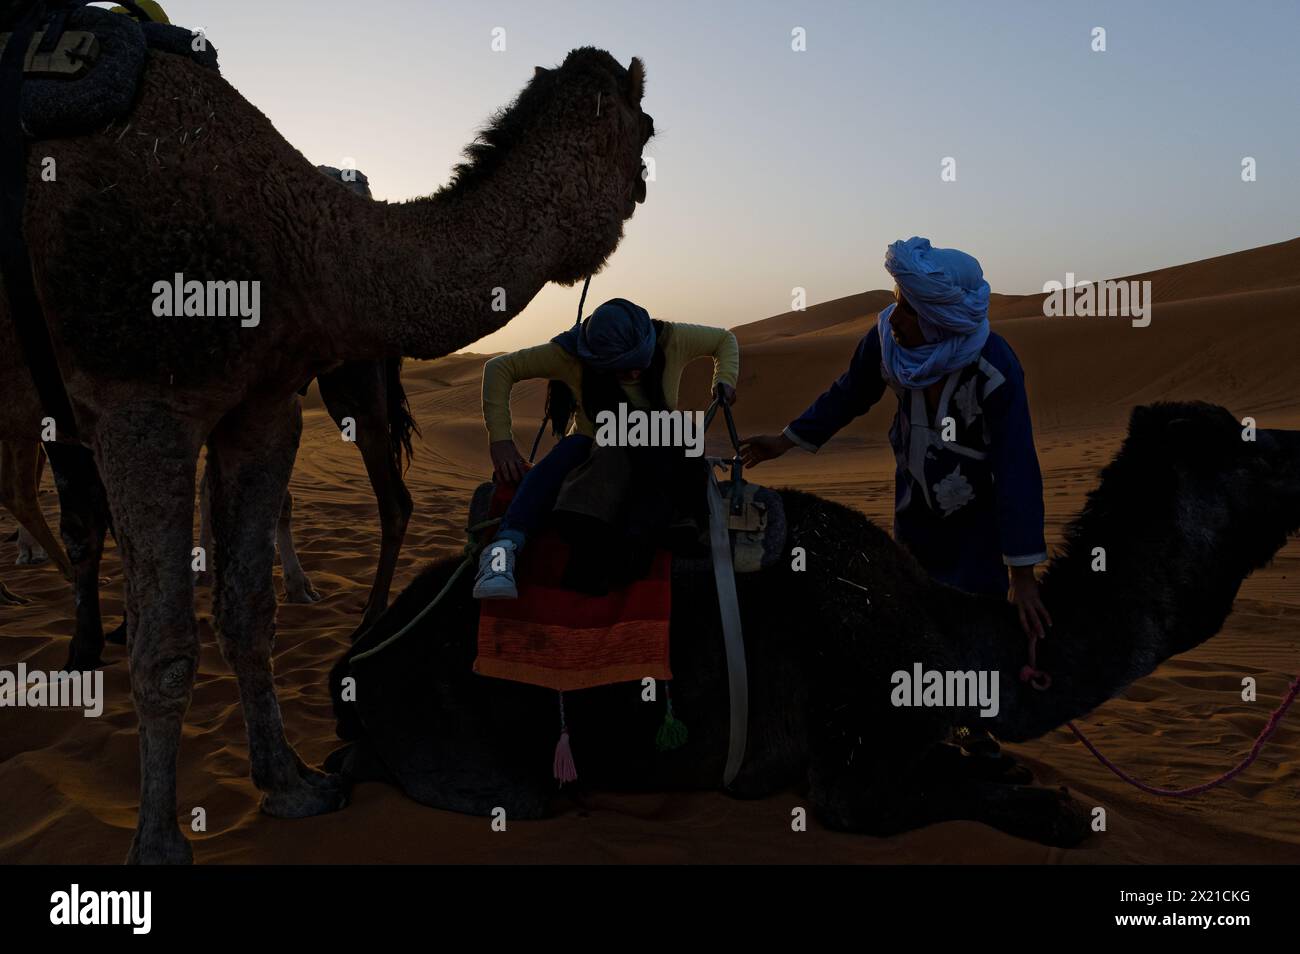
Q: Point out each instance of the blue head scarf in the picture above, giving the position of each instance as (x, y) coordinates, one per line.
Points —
(617, 336)
(946, 287)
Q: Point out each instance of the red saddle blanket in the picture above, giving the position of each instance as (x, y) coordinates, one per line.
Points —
(561, 639)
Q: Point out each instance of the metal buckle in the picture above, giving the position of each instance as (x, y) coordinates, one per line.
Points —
(72, 56)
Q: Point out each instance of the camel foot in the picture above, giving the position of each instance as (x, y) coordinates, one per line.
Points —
(118, 636)
(314, 793)
(300, 591)
(1049, 816)
(31, 556)
(952, 761)
(167, 847)
(11, 599)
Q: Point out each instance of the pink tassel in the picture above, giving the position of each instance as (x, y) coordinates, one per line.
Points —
(564, 770)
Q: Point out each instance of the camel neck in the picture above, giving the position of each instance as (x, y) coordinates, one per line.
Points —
(1156, 596)
(443, 271)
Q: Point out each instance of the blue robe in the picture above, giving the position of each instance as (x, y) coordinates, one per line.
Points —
(969, 507)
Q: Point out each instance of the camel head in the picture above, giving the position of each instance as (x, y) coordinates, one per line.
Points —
(1193, 503)
(571, 145)
(1232, 484)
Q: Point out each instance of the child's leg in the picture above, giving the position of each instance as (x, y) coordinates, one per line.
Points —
(539, 488)
(533, 500)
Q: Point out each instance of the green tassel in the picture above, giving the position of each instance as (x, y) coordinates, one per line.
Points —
(672, 734)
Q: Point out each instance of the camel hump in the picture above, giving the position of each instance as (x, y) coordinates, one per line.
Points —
(89, 75)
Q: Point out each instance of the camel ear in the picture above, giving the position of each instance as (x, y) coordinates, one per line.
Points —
(636, 80)
(1139, 418)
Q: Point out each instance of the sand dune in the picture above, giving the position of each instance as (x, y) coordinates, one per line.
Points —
(1223, 330)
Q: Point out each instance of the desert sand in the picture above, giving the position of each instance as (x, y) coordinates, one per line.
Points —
(1223, 330)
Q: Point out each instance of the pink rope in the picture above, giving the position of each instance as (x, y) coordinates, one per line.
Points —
(1273, 721)
(1040, 680)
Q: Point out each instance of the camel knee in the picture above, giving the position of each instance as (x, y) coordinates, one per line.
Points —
(161, 687)
(393, 520)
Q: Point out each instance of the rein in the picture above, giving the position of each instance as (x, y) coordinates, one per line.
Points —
(1041, 681)
(472, 546)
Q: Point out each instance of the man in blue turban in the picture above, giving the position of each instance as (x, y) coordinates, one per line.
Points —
(968, 499)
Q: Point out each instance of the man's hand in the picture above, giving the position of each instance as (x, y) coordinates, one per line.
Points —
(726, 392)
(755, 450)
(1034, 618)
(507, 463)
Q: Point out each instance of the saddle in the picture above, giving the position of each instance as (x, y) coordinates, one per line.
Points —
(82, 70)
(758, 531)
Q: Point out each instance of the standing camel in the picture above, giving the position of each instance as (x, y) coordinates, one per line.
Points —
(198, 182)
(370, 394)
(20, 480)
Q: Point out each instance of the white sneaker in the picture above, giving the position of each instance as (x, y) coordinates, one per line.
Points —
(496, 572)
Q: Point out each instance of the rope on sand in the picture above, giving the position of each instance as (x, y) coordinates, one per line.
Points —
(471, 550)
(1269, 727)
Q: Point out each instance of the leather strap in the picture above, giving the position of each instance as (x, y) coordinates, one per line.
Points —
(30, 328)
(732, 636)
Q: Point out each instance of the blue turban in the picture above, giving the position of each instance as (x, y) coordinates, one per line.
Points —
(617, 336)
(946, 288)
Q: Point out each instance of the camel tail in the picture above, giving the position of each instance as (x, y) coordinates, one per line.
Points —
(401, 425)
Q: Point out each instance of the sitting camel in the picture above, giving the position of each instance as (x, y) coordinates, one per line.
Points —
(198, 182)
(1185, 511)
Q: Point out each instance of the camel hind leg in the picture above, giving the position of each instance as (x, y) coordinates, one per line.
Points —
(20, 470)
(250, 457)
(360, 390)
(297, 585)
(83, 525)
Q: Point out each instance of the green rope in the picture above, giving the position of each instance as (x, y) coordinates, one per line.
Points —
(471, 551)
(672, 734)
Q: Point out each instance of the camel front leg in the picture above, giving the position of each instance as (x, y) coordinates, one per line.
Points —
(889, 795)
(147, 460)
(395, 507)
(360, 390)
(250, 457)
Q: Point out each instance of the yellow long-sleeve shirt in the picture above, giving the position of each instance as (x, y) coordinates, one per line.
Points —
(681, 344)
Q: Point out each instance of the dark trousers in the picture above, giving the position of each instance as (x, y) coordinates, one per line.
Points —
(541, 485)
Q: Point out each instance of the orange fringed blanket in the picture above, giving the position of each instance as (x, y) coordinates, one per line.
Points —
(560, 639)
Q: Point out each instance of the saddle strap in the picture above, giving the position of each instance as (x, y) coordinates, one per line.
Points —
(732, 637)
(30, 328)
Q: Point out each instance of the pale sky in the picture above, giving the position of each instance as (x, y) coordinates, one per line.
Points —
(778, 168)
